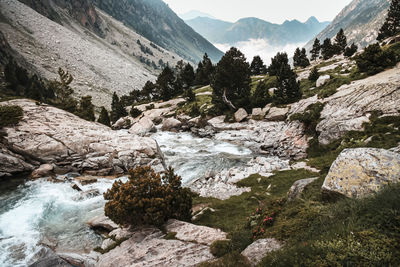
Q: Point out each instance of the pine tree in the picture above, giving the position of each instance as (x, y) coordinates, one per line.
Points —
(257, 66)
(86, 109)
(104, 118)
(187, 76)
(314, 75)
(117, 109)
(391, 26)
(63, 91)
(297, 58)
(204, 71)
(350, 50)
(149, 92)
(327, 50)
(315, 51)
(277, 63)
(261, 96)
(166, 84)
(288, 89)
(304, 62)
(231, 82)
(340, 42)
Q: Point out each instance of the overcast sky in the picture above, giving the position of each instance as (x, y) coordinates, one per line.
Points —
(276, 11)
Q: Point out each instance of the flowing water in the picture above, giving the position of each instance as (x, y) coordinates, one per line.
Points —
(33, 211)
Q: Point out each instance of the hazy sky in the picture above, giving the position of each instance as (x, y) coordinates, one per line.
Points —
(276, 11)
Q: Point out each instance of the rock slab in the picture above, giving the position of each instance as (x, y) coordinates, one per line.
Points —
(260, 248)
(298, 188)
(360, 172)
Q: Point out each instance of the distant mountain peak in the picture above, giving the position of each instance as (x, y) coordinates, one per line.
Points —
(312, 20)
(192, 14)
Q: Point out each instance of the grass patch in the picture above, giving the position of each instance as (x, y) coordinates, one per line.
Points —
(170, 236)
(203, 89)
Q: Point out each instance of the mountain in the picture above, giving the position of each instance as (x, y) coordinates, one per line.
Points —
(154, 20)
(361, 21)
(194, 14)
(102, 54)
(218, 31)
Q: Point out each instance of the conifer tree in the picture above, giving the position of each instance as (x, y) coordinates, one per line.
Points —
(104, 118)
(391, 26)
(277, 63)
(187, 76)
(261, 96)
(288, 89)
(297, 58)
(231, 82)
(204, 71)
(314, 75)
(257, 66)
(327, 50)
(86, 109)
(316, 49)
(350, 50)
(63, 91)
(166, 84)
(340, 42)
(117, 109)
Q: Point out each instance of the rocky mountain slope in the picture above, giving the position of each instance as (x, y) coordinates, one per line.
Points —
(100, 52)
(361, 21)
(156, 21)
(294, 31)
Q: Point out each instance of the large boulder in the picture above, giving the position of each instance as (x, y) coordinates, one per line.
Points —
(194, 233)
(258, 113)
(147, 247)
(171, 124)
(44, 170)
(144, 126)
(102, 222)
(323, 80)
(50, 135)
(13, 163)
(260, 248)
(359, 172)
(349, 108)
(298, 187)
(277, 114)
(240, 115)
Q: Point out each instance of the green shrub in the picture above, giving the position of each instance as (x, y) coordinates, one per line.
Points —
(374, 59)
(170, 236)
(310, 118)
(135, 112)
(220, 247)
(314, 75)
(148, 198)
(10, 115)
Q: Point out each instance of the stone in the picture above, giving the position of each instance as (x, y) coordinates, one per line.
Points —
(258, 114)
(85, 180)
(240, 115)
(170, 124)
(350, 107)
(102, 222)
(194, 233)
(45, 257)
(144, 126)
(88, 194)
(360, 172)
(298, 187)
(107, 243)
(45, 170)
(260, 248)
(277, 114)
(322, 80)
(76, 187)
(48, 134)
(121, 233)
(12, 163)
(147, 247)
(78, 260)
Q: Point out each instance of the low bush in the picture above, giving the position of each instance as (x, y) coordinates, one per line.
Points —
(148, 199)
(374, 59)
(135, 112)
(10, 115)
(310, 118)
(220, 247)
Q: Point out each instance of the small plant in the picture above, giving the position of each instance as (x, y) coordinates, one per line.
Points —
(170, 236)
(220, 247)
(148, 198)
(150, 107)
(10, 115)
(135, 112)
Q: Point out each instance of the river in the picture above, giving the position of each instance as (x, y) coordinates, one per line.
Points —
(38, 211)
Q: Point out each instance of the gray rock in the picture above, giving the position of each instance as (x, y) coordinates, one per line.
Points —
(102, 222)
(147, 247)
(298, 187)
(46, 258)
(360, 172)
(322, 80)
(258, 114)
(170, 124)
(44, 170)
(277, 114)
(52, 135)
(194, 233)
(78, 260)
(240, 115)
(107, 243)
(260, 248)
(144, 126)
